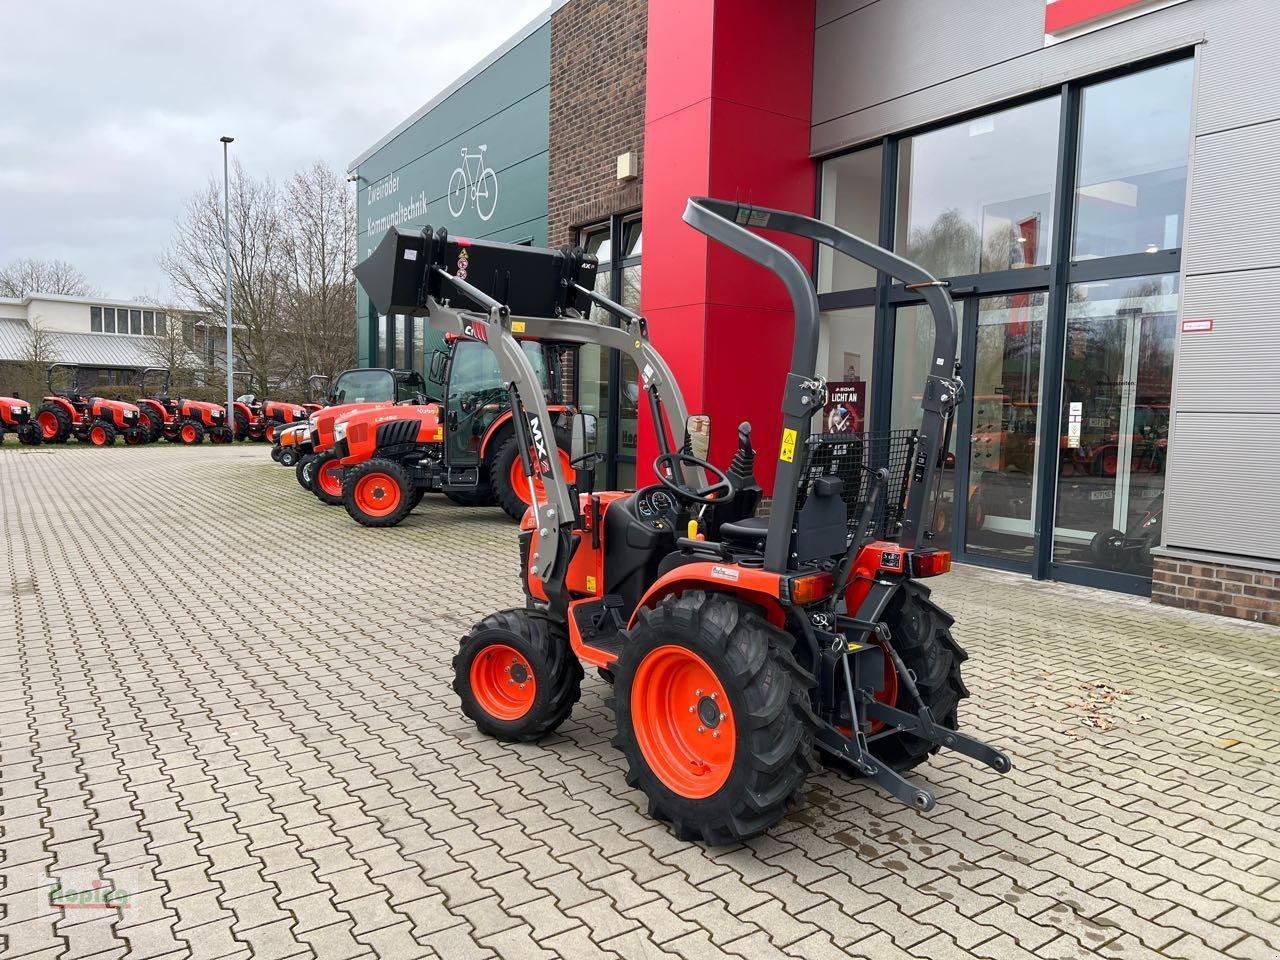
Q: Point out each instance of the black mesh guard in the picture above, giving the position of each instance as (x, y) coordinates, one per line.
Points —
(854, 458)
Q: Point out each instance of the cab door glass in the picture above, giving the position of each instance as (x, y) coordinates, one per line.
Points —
(477, 396)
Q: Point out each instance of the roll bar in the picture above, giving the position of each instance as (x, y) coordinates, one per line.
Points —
(142, 377)
(75, 376)
(732, 224)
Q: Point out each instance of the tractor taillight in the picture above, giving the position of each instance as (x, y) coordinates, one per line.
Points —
(811, 588)
(930, 563)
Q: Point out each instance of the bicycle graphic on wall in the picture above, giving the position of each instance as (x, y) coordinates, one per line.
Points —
(475, 182)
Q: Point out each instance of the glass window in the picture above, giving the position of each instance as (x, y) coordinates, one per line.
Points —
(135, 321)
(977, 196)
(108, 320)
(1135, 134)
(1117, 381)
(161, 323)
(596, 241)
(381, 322)
(851, 201)
(632, 239)
(363, 386)
(419, 344)
(845, 345)
(401, 346)
(148, 323)
(95, 319)
(1005, 406)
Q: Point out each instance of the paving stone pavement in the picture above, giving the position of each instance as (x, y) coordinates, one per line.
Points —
(230, 707)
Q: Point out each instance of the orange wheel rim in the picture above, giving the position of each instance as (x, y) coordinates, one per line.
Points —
(683, 722)
(502, 682)
(48, 425)
(98, 436)
(520, 483)
(377, 494)
(327, 477)
(188, 433)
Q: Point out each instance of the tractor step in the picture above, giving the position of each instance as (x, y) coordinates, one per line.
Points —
(600, 624)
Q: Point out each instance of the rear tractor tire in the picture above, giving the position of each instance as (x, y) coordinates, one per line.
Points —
(921, 633)
(713, 717)
(242, 426)
(507, 481)
(516, 675)
(54, 422)
(378, 493)
(326, 479)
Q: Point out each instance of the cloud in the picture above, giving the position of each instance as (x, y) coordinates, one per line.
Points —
(112, 111)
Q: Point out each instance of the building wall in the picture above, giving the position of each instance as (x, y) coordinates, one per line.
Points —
(597, 112)
(886, 67)
(405, 178)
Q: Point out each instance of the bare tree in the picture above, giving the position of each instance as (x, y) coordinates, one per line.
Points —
(194, 264)
(319, 256)
(22, 278)
(38, 352)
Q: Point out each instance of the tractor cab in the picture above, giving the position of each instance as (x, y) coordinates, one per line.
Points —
(376, 385)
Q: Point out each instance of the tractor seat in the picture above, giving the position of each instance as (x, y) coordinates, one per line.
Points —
(749, 532)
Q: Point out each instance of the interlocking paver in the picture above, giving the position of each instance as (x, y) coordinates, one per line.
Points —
(275, 766)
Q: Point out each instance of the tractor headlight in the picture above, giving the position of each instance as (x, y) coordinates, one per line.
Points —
(340, 430)
(18, 409)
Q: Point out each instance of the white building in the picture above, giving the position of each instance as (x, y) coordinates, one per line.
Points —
(108, 339)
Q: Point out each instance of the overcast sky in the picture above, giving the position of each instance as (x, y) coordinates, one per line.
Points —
(110, 112)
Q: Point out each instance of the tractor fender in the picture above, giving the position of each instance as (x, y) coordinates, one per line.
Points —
(244, 411)
(504, 421)
(65, 404)
(154, 407)
(757, 587)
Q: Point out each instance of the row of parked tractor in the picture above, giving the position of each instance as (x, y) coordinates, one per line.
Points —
(382, 440)
(155, 414)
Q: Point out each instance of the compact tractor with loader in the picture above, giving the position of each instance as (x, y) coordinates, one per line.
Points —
(94, 420)
(741, 649)
(15, 417)
(178, 419)
(384, 460)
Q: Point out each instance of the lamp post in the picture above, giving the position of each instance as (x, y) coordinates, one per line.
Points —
(226, 246)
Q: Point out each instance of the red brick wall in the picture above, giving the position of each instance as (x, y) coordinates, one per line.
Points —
(1217, 588)
(597, 111)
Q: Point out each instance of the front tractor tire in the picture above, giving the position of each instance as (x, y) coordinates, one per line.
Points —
(191, 433)
(507, 481)
(378, 493)
(516, 676)
(55, 423)
(326, 479)
(921, 633)
(713, 717)
(304, 469)
(101, 434)
(288, 456)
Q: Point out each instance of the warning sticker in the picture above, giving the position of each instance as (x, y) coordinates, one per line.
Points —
(788, 453)
(517, 326)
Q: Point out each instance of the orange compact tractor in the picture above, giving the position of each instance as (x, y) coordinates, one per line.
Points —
(464, 447)
(352, 390)
(259, 420)
(740, 648)
(69, 413)
(15, 417)
(178, 419)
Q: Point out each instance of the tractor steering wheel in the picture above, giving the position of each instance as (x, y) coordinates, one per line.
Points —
(667, 467)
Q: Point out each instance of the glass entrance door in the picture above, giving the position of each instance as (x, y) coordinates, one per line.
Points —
(1117, 381)
(1004, 393)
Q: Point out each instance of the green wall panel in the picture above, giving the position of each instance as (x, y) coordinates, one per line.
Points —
(407, 181)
